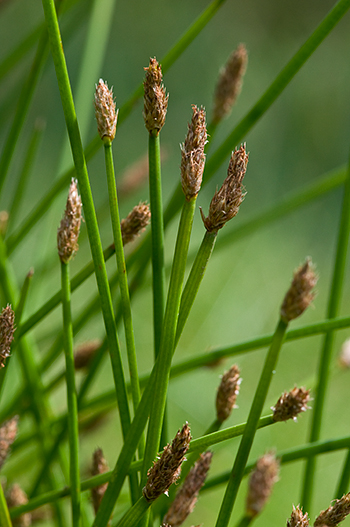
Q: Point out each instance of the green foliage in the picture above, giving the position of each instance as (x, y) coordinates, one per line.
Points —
(189, 300)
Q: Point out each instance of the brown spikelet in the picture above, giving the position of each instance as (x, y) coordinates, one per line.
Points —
(84, 353)
(167, 468)
(300, 294)
(229, 83)
(261, 482)
(290, 404)
(227, 393)
(99, 466)
(192, 154)
(335, 514)
(297, 518)
(105, 111)
(68, 231)
(7, 329)
(15, 496)
(155, 98)
(8, 432)
(226, 201)
(135, 222)
(186, 497)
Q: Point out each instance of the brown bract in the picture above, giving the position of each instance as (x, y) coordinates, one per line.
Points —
(155, 98)
(227, 393)
(135, 222)
(186, 497)
(290, 404)
(229, 83)
(297, 518)
(7, 329)
(300, 294)
(68, 231)
(167, 468)
(335, 514)
(8, 432)
(99, 466)
(226, 201)
(192, 154)
(105, 111)
(261, 482)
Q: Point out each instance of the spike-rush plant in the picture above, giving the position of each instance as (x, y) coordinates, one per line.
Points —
(54, 469)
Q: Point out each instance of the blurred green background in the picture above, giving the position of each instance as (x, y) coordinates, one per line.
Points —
(303, 135)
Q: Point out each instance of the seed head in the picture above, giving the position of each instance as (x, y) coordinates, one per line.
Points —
(167, 468)
(226, 201)
(99, 466)
(300, 294)
(135, 222)
(105, 111)
(262, 479)
(335, 513)
(227, 393)
(186, 497)
(229, 83)
(15, 496)
(68, 232)
(7, 329)
(84, 353)
(155, 98)
(8, 432)
(192, 154)
(290, 404)
(297, 518)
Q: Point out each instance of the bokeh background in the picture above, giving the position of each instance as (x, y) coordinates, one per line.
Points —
(305, 134)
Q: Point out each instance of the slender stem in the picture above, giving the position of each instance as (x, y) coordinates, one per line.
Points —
(194, 280)
(175, 52)
(122, 275)
(135, 513)
(26, 168)
(72, 405)
(344, 480)
(90, 215)
(297, 199)
(55, 300)
(168, 334)
(245, 521)
(326, 352)
(5, 520)
(250, 429)
(157, 230)
(286, 456)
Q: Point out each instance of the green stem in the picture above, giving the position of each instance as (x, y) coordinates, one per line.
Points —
(93, 147)
(72, 405)
(89, 212)
(122, 275)
(326, 352)
(24, 174)
(343, 485)
(250, 429)
(135, 513)
(287, 456)
(157, 231)
(5, 520)
(245, 521)
(168, 334)
(55, 300)
(194, 280)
